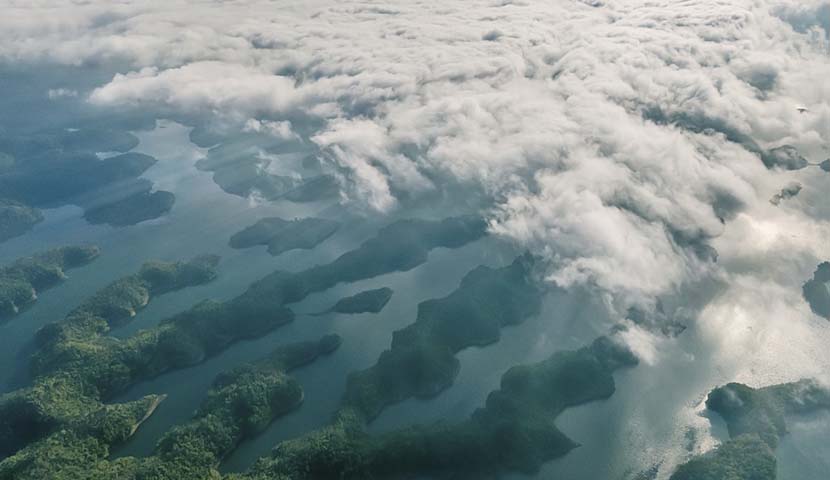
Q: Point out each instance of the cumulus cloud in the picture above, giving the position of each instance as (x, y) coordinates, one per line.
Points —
(812, 16)
(281, 130)
(201, 88)
(619, 138)
(623, 140)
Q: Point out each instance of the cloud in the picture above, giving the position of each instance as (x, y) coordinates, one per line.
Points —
(622, 140)
(56, 93)
(201, 89)
(807, 16)
(791, 190)
(281, 130)
(616, 137)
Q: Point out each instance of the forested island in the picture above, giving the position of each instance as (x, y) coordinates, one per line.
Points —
(64, 416)
(421, 361)
(368, 301)
(241, 402)
(60, 394)
(21, 281)
(756, 419)
(284, 235)
(513, 431)
(78, 365)
(58, 167)
(131, 210)
(817, 291)
(16, 219)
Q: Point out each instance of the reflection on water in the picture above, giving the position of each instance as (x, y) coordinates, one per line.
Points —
(804, 454)
(655, 417)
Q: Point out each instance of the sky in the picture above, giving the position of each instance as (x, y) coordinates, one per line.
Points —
(622, 140)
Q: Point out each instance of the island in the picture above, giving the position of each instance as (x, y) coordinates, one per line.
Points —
(134, 209)
(817, 291)
(312, 189)
(61, 426)
(284, 235)
(785, 157)
(93, 139)
(825, 165)
(240, 165)
(117, 303)
(205, 137)
(69, 167)
(421, 361)
(21, 281)
(68, 177)
(240, 403)
(16, 219)
(791, 190)
(369, 301)
(49, 141)
(756, 420)
(77, 360)
(514, 431)
(59, 399)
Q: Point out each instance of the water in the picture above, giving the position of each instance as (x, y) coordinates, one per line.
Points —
(805, 452)
(656, 416)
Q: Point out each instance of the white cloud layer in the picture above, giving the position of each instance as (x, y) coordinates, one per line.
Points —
(559, 112)
(598, 132)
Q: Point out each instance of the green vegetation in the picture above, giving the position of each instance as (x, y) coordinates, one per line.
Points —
(756, 419)
(90, 364)
(78, 344)
(284, 235)
(514, 431)
(422, 360)
(369, 301)
(69, 431)
(817, 291)
(110, 366)
(61, 394)
(247, 398)
(400, 246)
(65, 177)
(118, 302)
(60, 167)
(16, 219)
(240, 404)
(79, 450)
(133, 209)
(762, 411)
(57, 403)
(744, 458)
(20, 281)
(34, 147)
